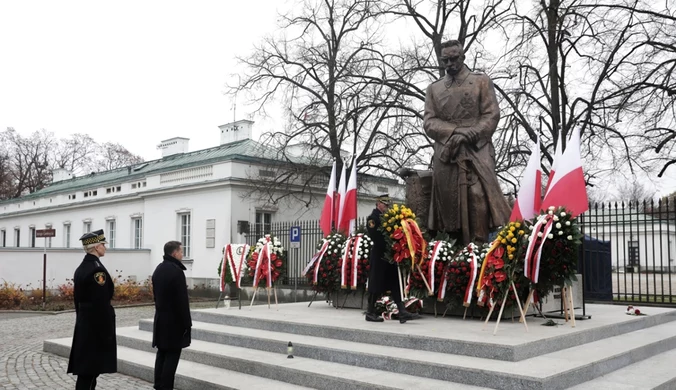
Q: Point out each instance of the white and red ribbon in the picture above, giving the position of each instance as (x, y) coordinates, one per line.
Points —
(534, 251)
(263, 261)
(433, 261)
(316, 261)
(355, 259)
(345, 263)
(473, 265)
(234, 266)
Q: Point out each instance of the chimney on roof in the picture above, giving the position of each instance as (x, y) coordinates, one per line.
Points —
(61, 174)
(171, 146)
(235, 131)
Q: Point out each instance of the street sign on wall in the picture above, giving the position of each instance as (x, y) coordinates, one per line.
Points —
(45, 233)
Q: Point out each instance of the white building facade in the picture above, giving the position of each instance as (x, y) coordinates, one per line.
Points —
(199, 198)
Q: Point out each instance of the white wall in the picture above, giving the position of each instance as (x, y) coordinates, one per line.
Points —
(23, 266)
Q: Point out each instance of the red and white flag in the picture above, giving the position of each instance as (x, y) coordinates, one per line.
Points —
(557, 157)
(340, 198)
(328, 211)
(528, 200)
(349, 209)
(568, 188)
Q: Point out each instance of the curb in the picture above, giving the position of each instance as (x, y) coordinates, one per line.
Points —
(37, 312)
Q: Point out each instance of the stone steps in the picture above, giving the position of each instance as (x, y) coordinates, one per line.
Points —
(511, 344)
(299, 371)
(189, 375)
(656, 372)
(337, 349)
(556, 370)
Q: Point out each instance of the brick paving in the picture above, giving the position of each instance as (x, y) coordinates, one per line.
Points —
(23, 364)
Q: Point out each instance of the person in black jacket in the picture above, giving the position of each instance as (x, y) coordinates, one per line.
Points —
(94, 349)
(171, 329)
(382, 274)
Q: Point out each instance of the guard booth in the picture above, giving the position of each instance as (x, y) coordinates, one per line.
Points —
(596, 266)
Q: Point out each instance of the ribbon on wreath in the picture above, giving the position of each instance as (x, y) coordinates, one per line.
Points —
(473, 264)
(234, 268)
(479, 285)
(316, 261)
(542, 227)
(433, 261)
(413, 236)
(263, 261)
(350, 261)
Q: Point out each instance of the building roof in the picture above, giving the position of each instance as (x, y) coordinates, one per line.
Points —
(244, 150)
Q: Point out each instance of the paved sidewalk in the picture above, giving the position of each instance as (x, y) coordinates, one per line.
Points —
(23, 365)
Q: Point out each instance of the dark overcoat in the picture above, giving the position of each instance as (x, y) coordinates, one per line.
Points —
(171, 328)
(383, 274)
(94, 349)
(455, 104)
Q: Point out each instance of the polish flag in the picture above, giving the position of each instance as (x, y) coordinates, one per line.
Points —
(328, 211)
(568, 188)
(340, 201)
(528, 200)
(349, 209)
(557, 157)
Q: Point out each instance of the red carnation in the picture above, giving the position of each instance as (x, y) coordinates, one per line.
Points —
(499, 251)
(278, 263)
(498, 263)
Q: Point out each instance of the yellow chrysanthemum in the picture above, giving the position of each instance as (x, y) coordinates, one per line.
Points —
(517, 225)
(396, 227)
(512, 228)
(503, 241)
(389, 229)
(521, 232)
(384, 224)
(514, 240)
(511, 257)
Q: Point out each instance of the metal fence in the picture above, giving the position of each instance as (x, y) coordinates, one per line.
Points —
(629, 252)
(628, 255)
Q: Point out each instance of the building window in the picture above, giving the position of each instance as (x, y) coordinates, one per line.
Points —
(49, 240)
(137, 228)
(31, 237)
(266, 173)
(184, 233)
(211, 233)
(66, 235)
(382, 189)
(111, 234)
(17, 237)
(263, 223)
(87, 227)
(3, 238)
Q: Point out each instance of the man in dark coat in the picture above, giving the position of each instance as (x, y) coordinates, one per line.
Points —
(383, 275)
(171, 329)
(94, 349)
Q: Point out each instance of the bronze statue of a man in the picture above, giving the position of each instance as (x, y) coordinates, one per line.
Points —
(461, 114)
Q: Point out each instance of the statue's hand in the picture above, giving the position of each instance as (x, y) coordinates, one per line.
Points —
(451, 148)
(470, 133)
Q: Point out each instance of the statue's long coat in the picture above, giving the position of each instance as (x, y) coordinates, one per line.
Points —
(468, 100)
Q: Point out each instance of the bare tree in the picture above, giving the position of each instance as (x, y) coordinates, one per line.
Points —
(318, 66)
(113, 155)
(594, 64)
(77, 154)
(29, 166)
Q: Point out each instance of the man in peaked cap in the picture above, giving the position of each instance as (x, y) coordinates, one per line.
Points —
(94, 349)
(382, 274)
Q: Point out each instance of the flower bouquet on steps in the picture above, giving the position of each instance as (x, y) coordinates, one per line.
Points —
(323, 270)
(386, 308)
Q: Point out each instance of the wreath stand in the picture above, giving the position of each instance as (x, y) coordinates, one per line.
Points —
(224, 297)
(274, 289)
(502, 308)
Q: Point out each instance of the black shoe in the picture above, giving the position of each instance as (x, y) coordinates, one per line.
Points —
(407, 316)
(373, 318)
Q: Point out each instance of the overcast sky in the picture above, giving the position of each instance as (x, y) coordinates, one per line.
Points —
(133, 72)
